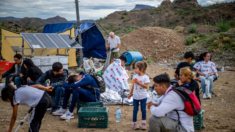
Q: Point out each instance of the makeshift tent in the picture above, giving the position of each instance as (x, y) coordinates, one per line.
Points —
(57, 27)
(8, 53)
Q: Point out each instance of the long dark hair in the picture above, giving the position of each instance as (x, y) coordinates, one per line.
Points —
(30, 65)
(8, 93)
(202, 55)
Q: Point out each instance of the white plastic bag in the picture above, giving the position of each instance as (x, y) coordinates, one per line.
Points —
(207, 88)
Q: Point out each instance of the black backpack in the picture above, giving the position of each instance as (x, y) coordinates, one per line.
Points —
(99, 80)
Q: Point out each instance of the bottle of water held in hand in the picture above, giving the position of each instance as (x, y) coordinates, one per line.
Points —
(118, 115)
(67, 116)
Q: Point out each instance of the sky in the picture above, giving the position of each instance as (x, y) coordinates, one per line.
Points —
(89, 9)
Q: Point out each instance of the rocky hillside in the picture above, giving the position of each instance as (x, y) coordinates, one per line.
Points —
(140, 7)
(9, 19)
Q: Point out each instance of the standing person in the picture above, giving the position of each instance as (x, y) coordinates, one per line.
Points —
(57, 77)
(139, 91)
(188, 58)
(17, 68)
(32, 73)
(206, 70)
(114, 43)
(27, 95)
(167, 112)
(187, 81)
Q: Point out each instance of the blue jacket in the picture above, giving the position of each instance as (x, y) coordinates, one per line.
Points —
(86, 80)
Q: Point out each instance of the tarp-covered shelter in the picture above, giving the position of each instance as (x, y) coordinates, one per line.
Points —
(93, 42)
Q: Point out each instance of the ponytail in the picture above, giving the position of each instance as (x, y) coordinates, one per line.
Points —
(187, 72)
(142, 65)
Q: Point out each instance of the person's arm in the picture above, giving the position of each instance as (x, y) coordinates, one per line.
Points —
(41, 87)
(144, 85)
(131, 92)
(168, 104)
(199, 72)
(28, 72)
(62, 80)
(84, 81)
(10, 71)
(176, 76)
(118, 46)
(42, 79)
(13, 118)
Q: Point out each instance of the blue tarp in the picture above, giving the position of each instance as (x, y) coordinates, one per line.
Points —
(57, 27)
(93, 42)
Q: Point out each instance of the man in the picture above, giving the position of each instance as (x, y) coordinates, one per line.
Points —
(57, 77)
(80, 85)
(18, 69)
(171, 105)
(188, 58)
(123, 61)
(114, 43)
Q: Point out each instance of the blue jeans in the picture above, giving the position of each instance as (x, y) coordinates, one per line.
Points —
(136, 108)
(17, 80)
(203, 79)
(78, 93)
(57, 92)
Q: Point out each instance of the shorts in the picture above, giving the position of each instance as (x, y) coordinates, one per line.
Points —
(114, 55)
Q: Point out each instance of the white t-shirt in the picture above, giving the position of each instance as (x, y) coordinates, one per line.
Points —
(27, 95)
(139, 92)
(114, 43)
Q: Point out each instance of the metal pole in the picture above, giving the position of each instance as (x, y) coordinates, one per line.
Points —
(22, 46)
(79, 32)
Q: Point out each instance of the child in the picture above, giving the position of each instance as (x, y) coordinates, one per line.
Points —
(27, 95)
(139, 91)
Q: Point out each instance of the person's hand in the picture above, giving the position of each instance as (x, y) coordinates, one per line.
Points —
(28, 79)
(21, 75)
(48, 88)
(180, 83)
(10, 79)
(151, 104)
(129, 96)
(112, 49)
(204, 75)
(79, 87)
(136, 81)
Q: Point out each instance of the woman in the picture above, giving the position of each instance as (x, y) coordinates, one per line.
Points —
(206, 70)
(39, 100)
(32, 73)
(187, 81)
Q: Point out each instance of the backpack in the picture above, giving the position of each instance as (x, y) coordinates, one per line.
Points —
(191, 103)
(99, 80)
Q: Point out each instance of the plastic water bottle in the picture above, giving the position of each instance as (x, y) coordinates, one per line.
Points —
(118, 115)
(67, 116)
(222, 69)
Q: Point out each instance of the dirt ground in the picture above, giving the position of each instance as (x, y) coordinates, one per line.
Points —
(219, 115)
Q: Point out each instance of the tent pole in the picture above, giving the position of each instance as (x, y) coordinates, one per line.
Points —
(103, 29)
(79, 32)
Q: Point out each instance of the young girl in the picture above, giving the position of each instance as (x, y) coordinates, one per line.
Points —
(27, 95)
(139, 91)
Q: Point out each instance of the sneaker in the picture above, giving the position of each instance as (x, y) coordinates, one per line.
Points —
(54, 108)
(209, 96)
(60, 112)
(49, 109)
(135, 125)
(63, 117)
(204, 96)
(144, 126)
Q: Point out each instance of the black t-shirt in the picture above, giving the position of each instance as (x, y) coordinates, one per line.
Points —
(181, 65)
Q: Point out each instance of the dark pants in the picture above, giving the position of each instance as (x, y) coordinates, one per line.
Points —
(38, 113)
(78, 93)
(136, 108)
(57, 92)
(17, 81)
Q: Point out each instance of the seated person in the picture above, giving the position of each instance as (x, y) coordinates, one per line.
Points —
(32, 72)
(78, 84)
(187, 81)
(57, 77)
(123, 61)
(188, 58)
(167, 113)
(206, 70)
(17, 68)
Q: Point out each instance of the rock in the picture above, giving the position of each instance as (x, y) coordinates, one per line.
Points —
(226, 82)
